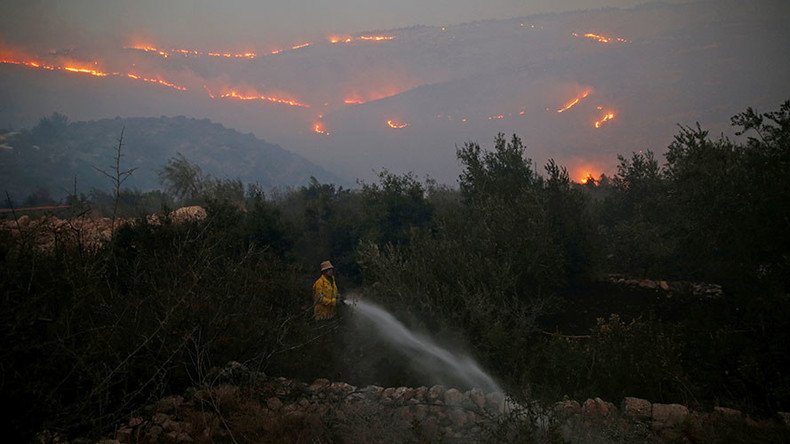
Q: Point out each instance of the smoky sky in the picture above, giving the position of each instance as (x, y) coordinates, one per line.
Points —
(56, 24)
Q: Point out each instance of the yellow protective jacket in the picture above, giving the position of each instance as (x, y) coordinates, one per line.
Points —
(324, 298)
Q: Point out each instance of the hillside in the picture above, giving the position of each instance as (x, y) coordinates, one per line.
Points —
(55, 153)
(650, 67)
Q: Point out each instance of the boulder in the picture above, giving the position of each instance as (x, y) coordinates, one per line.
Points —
(458, 418)
(477, 398)
(160, 418)
(188, 214)
(453, 397)
(668, 415)
(420, 411)
(598, 407)
(319, 384)
(495, 401)
(124, 435)
(169, 404)
(405, 414)
(636, 408)
(403, 393)
(727, 412)
(274, 404)
(436, 392)
(567, 408)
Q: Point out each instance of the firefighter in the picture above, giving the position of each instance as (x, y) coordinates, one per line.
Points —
(325, 295)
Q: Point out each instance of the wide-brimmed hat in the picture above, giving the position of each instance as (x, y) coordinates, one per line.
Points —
(326, 265)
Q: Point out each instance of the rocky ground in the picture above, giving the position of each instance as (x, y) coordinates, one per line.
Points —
(89, 233)
(243, 406)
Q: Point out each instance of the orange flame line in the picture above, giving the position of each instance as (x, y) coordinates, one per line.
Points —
(376, 38)
(157, 81)
(318, 128)
(92, 72)
(607, 117)
(235, 95)
(395, 125)
(574, 102)
(602, 39)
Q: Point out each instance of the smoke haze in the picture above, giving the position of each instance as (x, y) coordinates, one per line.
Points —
(347, 86)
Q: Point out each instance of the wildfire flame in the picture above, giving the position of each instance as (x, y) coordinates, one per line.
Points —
(319, 128)
(81, 70)
(235, 95)
(353, 101)
(394, 124)
(86, 68)
(607, 117)
(27, 63)
(602, 39)
(586, 172)
(376, 38)
(574, 101)
(230, 55)
(340, 39)
(588, 177)
(355, 98)
(150, 49)
(335, 39)
(191, 52)
(157, 81)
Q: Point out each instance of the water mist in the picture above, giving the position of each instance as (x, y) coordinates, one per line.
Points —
(421, 349)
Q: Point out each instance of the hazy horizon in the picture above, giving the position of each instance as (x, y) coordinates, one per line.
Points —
(313, 80)
(239, 23)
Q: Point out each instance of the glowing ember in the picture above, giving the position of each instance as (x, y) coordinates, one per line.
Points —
(232, 94)
(186, 52)
(394, 124)
(230, 55)
(157, 81)
(602, 39)
(574, 102)
(340, 39)
(319, 128)
(151, 49)
(376, 38)
(497, 117)
(353, 101)
(607, 117)
(303, 45)
(588, 177)
(81, 70)
(27, 63)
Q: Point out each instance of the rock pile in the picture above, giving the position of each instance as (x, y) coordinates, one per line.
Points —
(247, 406)
(47, 232)
(279, 406)
(699, 289)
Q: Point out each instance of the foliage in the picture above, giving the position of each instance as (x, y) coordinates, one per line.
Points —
(508, 266)
(55, 151)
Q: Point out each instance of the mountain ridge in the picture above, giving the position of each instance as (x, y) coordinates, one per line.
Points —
(55, 153)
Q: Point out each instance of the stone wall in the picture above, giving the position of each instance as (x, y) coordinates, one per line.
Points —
(89, 233)
(247, 406)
